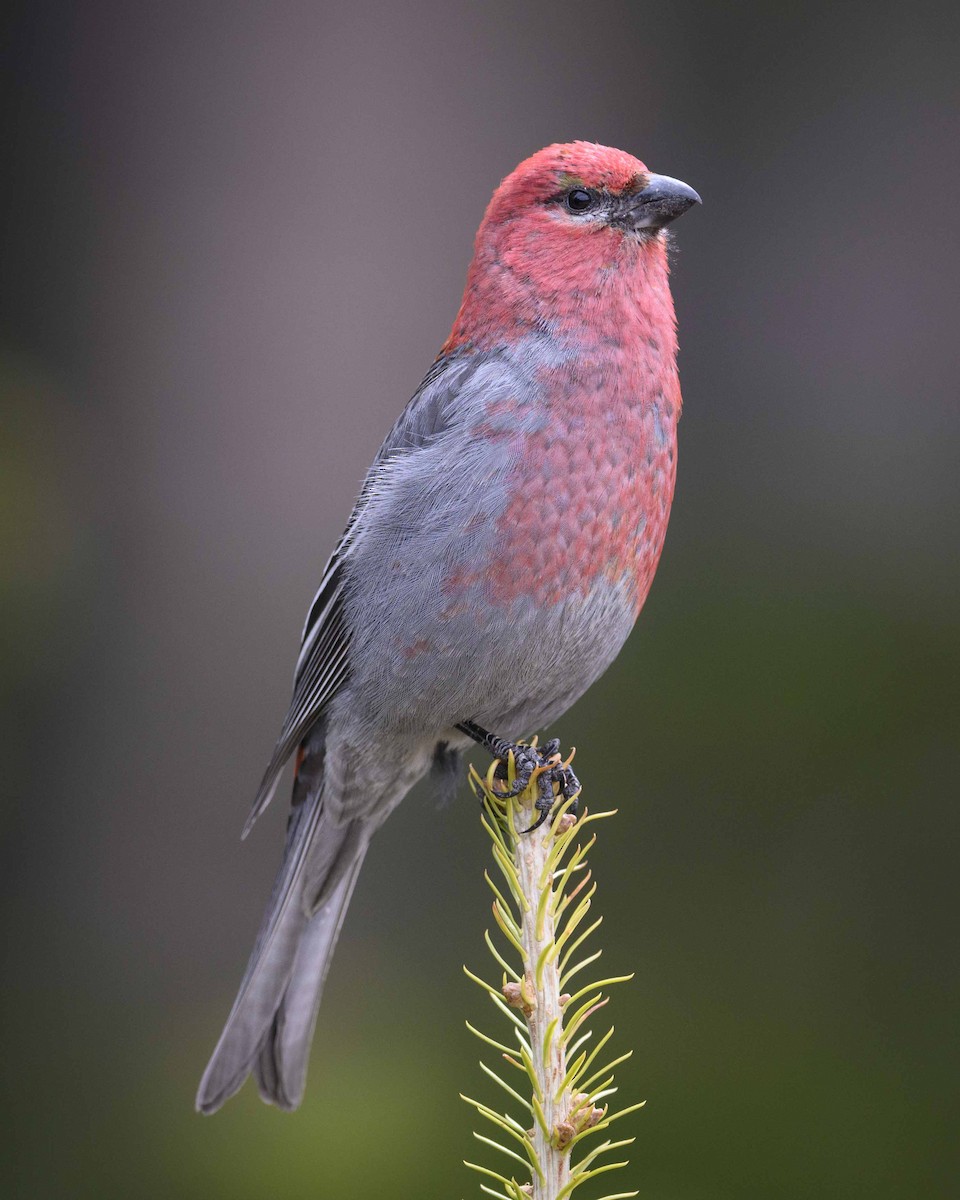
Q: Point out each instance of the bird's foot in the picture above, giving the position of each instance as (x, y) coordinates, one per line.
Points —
(555, 778)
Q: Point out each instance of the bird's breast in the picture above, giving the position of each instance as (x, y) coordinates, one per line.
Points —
(588, 499)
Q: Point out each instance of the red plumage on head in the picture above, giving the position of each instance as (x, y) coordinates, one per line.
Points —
(564, 164)
(534, 267)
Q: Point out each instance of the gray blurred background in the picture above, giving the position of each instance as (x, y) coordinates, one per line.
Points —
(234, 237)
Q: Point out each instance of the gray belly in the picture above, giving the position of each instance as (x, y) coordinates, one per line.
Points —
(513, 668)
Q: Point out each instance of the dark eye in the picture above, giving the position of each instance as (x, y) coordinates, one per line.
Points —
(579, 200)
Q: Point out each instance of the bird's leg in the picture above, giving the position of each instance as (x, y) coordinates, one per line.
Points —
(497, 746)
(526, 760)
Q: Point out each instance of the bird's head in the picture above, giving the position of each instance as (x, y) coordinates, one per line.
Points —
(572, 237)
(573, 191)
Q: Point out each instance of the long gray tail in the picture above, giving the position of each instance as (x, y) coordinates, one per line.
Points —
(271, 1023)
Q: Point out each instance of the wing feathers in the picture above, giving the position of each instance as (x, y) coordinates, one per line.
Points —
(323, 663)
(322, 678)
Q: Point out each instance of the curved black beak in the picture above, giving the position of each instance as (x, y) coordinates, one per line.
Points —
(661, 201)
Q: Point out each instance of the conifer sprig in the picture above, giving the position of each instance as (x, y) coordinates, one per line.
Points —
(549, 1137)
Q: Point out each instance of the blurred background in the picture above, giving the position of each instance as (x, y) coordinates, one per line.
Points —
(233, 239)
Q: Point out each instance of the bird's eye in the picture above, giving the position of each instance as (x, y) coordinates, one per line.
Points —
(579, 200)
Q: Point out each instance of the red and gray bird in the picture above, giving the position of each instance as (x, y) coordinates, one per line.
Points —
(502, 545)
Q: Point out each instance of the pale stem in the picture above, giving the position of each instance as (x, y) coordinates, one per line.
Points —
(548, 885)
(532, 851)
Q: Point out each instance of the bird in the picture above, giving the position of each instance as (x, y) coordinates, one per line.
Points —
(501, 547)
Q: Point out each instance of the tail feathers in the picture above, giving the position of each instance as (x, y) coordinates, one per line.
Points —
(311, 891)
(281, 1066)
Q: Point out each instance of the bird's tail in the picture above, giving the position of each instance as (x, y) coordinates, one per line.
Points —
(271, 1023)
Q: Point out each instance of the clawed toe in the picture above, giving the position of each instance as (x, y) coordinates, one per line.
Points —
(526, 760)
(545, 799)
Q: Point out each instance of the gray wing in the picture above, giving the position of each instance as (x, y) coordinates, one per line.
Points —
(323, 665)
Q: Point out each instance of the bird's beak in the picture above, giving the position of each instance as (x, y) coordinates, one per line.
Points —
(661, 201)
